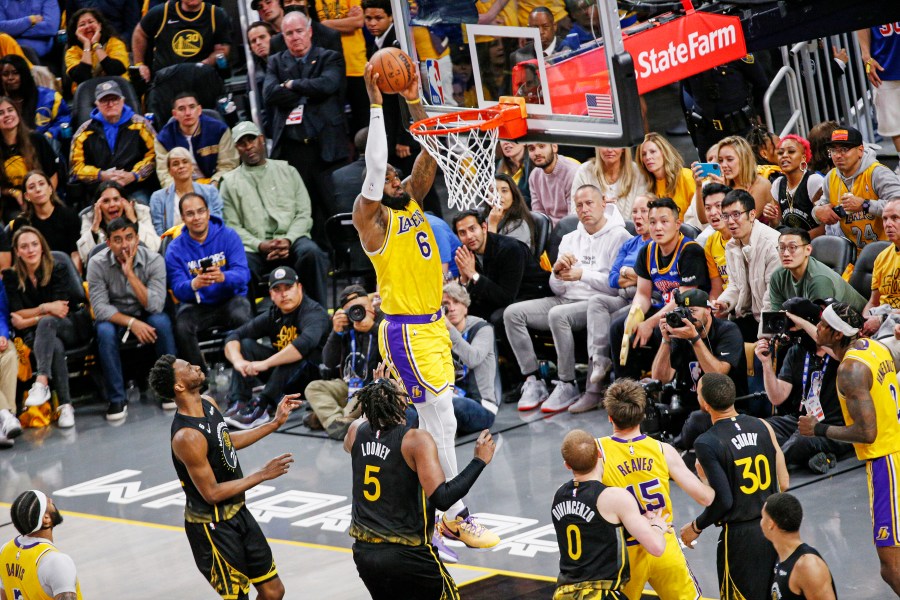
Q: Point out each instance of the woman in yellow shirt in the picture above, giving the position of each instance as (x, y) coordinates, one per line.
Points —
(664, 171)
(94, 50)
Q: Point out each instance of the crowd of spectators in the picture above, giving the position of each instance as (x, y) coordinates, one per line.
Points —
(178, 224)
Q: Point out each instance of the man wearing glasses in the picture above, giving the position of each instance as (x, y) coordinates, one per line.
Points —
(802, 276)
(856, 190)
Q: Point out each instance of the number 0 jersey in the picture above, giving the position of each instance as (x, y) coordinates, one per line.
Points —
(639, 466)
(408, 265)
(884, 391)
(590, 547)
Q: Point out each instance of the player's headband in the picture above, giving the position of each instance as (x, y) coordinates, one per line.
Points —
(838, 324)
(42, 503)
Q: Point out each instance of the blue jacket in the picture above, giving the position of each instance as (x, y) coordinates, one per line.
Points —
(163, 207)
(4, 314)
(52, 111)
(627, 257)
(223, 245)
(111, 130)
(14, 20)
(205, 141)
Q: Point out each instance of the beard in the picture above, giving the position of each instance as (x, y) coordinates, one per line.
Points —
(396, 202)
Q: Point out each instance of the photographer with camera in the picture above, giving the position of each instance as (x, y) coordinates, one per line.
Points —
(807, 379)
(207, 270)
(352, 351)
(695, 342)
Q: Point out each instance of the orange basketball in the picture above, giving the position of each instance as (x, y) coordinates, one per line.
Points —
(395, 69)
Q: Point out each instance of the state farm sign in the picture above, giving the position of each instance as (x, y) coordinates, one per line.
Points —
(684, 47)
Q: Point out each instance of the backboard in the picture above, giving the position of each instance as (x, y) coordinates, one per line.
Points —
(582, 92)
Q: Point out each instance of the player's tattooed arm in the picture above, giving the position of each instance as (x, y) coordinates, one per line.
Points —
(425, 167)
(854, 382)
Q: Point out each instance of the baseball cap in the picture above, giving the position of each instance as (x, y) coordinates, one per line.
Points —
(282, 275)
(804, 308)
(694, 297)
(108, 88)
(351, 292)
(845, 136)
(245, 128)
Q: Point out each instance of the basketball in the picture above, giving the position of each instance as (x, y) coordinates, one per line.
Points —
(395, 69)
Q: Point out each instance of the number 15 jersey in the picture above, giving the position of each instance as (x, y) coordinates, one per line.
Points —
(639, 466)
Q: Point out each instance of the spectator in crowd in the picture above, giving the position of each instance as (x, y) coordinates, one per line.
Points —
(551, 180)
(503, 272)
(208, 275)
(10, 428)
(164, 202)
(110, 204)
(115, 144)
(557, 8)
(702, 344)
(41, 311)
(582, 270)
(667, 263)
(346, 18)
(128, 294)
(615, 174)
(296, 326)
(807, 374)
(511, 217)
(752, 257)
(207, 138)
(856, 190)
(880, 52)
(178, 32)
(764, 144)
(322, 36)
(351, 351)
(43, 109)
(95, 49)
(21, 151)
(33, 23)
(885, 274)
(45, 212)
(259, 36)
(664, 172)
(447, 244)
(739, 171)
(348, 180)
(714, 246)
(515, 162)
(270, 11)
(266, 202)
(819, 138)
(121, 15)
(541, 18)
(797, 190)
(801, 275)
(475, 398)
(303, 89)
(700, 182)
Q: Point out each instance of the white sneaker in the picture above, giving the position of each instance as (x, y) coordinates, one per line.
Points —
(534, 392)
(564, 395)
(9, 425)
(38, 394)
(66, 416)
(5, 442)
(602, 367)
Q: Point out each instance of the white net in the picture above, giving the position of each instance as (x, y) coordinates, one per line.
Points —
(467, 160)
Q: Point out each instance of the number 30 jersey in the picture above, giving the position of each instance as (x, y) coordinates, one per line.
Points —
(408, 265)
(639, 466)
(590, 547)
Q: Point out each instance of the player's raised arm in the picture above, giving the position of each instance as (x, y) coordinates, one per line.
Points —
(419, 183)
(369, 216)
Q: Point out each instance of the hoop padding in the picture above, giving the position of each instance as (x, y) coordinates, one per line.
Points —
(463, 145)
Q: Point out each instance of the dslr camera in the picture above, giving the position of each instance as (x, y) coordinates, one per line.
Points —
(356, 313)
(674, 318)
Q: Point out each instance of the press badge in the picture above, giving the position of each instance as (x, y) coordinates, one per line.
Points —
(296, 116)
(812, 403)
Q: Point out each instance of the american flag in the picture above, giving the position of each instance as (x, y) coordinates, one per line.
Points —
(599, 106)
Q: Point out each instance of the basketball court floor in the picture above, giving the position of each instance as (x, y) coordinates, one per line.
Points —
(123, 510)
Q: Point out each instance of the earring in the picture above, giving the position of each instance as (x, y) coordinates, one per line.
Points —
(803, 166)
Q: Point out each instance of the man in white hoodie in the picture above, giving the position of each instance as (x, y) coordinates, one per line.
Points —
(582, 270)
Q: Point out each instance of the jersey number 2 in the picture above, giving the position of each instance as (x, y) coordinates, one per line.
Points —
(756, 471)
(424, 246)
(369, 478)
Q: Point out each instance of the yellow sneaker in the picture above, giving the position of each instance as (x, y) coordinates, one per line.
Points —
(468, 531)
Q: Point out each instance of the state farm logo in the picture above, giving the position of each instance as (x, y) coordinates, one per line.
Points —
(698, 44)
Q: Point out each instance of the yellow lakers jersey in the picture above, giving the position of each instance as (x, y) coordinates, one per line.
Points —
(859, 227)
(639, 466)
(408, 265)
(884, 391)
(18, 570)
(715, 253)
(886, 276)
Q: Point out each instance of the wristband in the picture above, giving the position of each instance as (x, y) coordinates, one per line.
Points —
(416, 101)
(139, 65)
(373, 105)
(821, 430)
(96, 45)
(695, 339)
(695, 529)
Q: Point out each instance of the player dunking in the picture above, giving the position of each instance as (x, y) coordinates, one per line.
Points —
(228, 545)
(413, 337)
(395, 469)
(644, 466)
(868, 391)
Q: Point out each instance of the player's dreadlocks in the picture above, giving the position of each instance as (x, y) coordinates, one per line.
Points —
(162, 377)
(383, 403)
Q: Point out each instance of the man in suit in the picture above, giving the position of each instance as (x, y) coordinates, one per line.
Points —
(303, 88)
(542, 19)
(322, 36)
(402, 148)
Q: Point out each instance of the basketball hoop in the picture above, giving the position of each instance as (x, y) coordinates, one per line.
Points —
(464, 143)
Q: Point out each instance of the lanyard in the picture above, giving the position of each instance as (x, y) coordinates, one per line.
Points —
(806, 370)
(353, 352)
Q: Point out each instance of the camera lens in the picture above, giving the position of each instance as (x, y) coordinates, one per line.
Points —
(356, 313)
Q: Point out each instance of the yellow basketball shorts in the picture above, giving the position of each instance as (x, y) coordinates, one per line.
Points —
(669, 575)
(418, 348)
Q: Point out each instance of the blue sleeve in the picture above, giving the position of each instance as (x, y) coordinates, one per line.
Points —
(157, 211)
(237, 276)
(4, 313)
(214, 200)
(15, 27)
(617, 265)
(179, 276)
(63, 115)
(50, 25)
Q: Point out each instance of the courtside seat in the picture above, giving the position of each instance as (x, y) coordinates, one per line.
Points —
(542, 227)
(861, 279)
(835, 251)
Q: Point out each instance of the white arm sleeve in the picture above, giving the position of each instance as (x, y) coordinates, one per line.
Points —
(376, 157)
(56, 573)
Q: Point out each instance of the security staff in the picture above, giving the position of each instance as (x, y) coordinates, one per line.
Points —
(723, 101)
